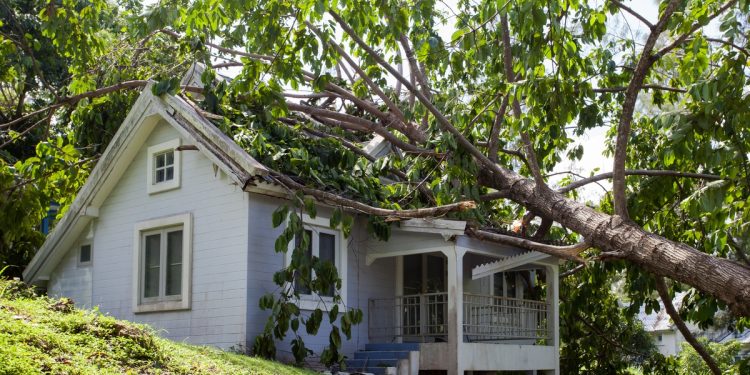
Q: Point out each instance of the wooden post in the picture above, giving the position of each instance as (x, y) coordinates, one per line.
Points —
(553, 312)
(455, 309)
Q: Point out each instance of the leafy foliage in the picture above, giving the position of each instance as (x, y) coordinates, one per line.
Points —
(725, 355)
(592, 319)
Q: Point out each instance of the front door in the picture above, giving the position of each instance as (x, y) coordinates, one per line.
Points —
(425, 301)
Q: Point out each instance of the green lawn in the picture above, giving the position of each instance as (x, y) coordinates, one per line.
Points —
(42, 335)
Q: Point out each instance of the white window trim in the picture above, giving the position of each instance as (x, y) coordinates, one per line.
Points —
(314, 301)
(171, 303)
(91, 254)
(174, 183)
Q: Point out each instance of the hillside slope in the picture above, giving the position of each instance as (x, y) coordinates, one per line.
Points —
(44, 335)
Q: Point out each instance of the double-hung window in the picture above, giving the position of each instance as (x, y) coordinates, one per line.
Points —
(323, 246)
(162, 264)
(327, 245)
(163, 166)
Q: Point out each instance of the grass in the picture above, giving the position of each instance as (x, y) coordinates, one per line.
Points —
(40, 335)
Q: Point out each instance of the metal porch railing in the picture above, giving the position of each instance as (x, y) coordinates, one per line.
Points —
(424, 318)
(410, 318)
(491, 318)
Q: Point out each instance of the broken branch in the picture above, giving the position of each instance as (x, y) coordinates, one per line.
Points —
(389, 214)
(566, 252)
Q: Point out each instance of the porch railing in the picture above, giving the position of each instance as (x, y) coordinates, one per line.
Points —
(492, 318)
(410, 318)
(424, 318)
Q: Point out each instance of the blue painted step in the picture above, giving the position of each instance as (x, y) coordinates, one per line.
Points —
(381, 355)
(372, 370)
(362, 363)
(393, 347)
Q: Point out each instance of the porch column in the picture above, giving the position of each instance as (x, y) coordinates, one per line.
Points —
(455, 309)
(553, 315)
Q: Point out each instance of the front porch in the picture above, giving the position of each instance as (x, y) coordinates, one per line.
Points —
(470, 305)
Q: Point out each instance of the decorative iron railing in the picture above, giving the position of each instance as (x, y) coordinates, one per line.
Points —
(424, 318)
(492, 318)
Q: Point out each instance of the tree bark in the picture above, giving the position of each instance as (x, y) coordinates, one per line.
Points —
(721, 278)
(661, 287)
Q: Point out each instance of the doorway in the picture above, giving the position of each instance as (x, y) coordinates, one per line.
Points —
(424, 298)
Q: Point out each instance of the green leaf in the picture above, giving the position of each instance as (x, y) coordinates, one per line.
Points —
(310, 207)
(279, 215)
(335, 219)
(333, 313)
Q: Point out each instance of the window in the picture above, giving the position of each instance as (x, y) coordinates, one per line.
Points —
(328, 245)
(163, 167)
(323, 246)
(84, 255)
(659, 338)
(161, 264)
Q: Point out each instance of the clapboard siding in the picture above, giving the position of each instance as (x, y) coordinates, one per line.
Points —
(71, 280)
(363, 282)
(219, 211)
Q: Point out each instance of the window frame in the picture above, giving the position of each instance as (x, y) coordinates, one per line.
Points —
(163, 226)
(319, 225)
(155, 150)
(91, 254)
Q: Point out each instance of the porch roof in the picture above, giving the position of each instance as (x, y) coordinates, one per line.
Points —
(505, 264)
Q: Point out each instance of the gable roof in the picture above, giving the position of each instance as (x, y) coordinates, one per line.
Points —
(145, 113)
(660, 320)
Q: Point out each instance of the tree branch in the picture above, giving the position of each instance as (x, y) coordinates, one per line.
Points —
(628, 108)
(409, 130)
(633, 13)
(572, 271)
(427, 193)
(661, 287)
(738, 249)
(566, 252)
(494, 142)
(358, 123)
(441, 119)
(533, 163)
(652, 87)
(639, 172)
(389, 214)
(414, 66)
(684, 37)
(70, 100)
(728, 43)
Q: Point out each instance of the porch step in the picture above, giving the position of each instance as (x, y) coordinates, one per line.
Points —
(373, 371)
(393, 347)
(384, 359)
(381, 355)
(371, 362)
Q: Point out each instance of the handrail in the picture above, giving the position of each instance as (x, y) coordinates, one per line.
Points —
(486, 318)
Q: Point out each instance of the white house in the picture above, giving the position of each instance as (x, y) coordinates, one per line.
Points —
(665, 335)
(173, 228)
(668, 338)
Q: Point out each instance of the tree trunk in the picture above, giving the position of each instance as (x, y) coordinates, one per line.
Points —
(721, 278)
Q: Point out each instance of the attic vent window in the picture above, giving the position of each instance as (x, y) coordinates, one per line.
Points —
(84, 255)
(163, 165)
